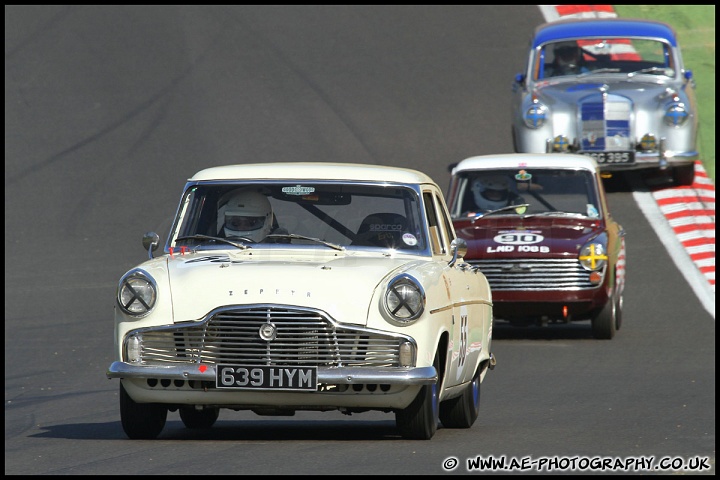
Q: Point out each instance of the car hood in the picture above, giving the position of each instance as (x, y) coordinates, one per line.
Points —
(532, 236)
(338, 283)
(570, 92)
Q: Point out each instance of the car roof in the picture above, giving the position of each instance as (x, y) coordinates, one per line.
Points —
(605, 27)
(526, 160)
(313, 171)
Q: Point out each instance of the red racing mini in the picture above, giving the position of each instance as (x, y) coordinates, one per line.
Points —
(539, 228)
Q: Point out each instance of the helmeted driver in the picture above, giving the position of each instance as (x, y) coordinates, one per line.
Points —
(568, 59)
(493, 192)
(245, 213)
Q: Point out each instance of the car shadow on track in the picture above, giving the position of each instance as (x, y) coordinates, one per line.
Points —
(562, 331)
(228, 428)
(638, 181)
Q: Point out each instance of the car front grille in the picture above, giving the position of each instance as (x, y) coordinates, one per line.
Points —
(534, 274)
(302, 337)
(605, 123)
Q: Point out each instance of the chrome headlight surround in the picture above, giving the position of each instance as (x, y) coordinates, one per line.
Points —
(593, 255)
(676, 115)
(404, 300)
(137, 293)
(536, 115)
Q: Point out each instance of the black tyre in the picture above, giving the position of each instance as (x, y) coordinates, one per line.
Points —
(141, 421)
(604, 323)
(462, 411)
(684, 175)
(204, 418)
(418, 421)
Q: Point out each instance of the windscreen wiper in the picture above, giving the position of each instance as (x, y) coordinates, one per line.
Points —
(241, 246)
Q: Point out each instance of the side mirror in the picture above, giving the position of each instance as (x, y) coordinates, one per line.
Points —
(519, 83)
(150, 242)
(688, 74)
(458, 247)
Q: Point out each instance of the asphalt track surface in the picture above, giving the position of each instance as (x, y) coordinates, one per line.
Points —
(109, 109)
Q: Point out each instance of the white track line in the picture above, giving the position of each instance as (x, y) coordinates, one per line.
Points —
(680, 256)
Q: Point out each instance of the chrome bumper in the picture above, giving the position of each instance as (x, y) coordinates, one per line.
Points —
(326, 375)
(653, 160)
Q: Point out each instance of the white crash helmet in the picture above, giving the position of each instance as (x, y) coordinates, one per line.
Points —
(245, 213)
(491, 193)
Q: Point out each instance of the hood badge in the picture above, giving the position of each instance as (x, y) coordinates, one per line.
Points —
(268, 332)
(269, 291)
(592, 138)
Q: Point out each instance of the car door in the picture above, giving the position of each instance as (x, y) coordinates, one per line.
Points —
(465, 317)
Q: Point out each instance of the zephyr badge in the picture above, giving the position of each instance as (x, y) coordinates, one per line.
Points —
(268, 332)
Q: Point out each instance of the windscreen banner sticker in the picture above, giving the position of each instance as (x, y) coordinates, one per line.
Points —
(307, 194)
(520, 241)
(298, 190)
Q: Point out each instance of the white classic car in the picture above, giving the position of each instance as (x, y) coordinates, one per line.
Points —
(613, 89)
(304, 286)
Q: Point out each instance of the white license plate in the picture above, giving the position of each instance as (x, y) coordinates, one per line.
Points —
(607, 158)
(266, 377)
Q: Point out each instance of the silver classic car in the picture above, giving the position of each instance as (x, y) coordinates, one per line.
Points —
(613, 89)
(304, 286)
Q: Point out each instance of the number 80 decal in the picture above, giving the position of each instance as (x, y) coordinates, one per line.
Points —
(518, 238)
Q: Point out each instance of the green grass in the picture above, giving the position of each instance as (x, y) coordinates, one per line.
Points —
(695, 27)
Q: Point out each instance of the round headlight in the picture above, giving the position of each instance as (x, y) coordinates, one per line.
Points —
(536, 115)
(593, 256)
(676, 115)
(137, 293)
(404, 300)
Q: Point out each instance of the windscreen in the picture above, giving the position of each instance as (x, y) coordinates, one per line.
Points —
(345, 215)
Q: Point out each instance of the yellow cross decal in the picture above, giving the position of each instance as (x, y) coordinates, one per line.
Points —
(593, 257)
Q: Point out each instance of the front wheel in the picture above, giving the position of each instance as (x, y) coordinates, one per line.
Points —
(418, 421)
(618, 312)
(141, 421)
(604, 323)
(684, 175)
(462, 411)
